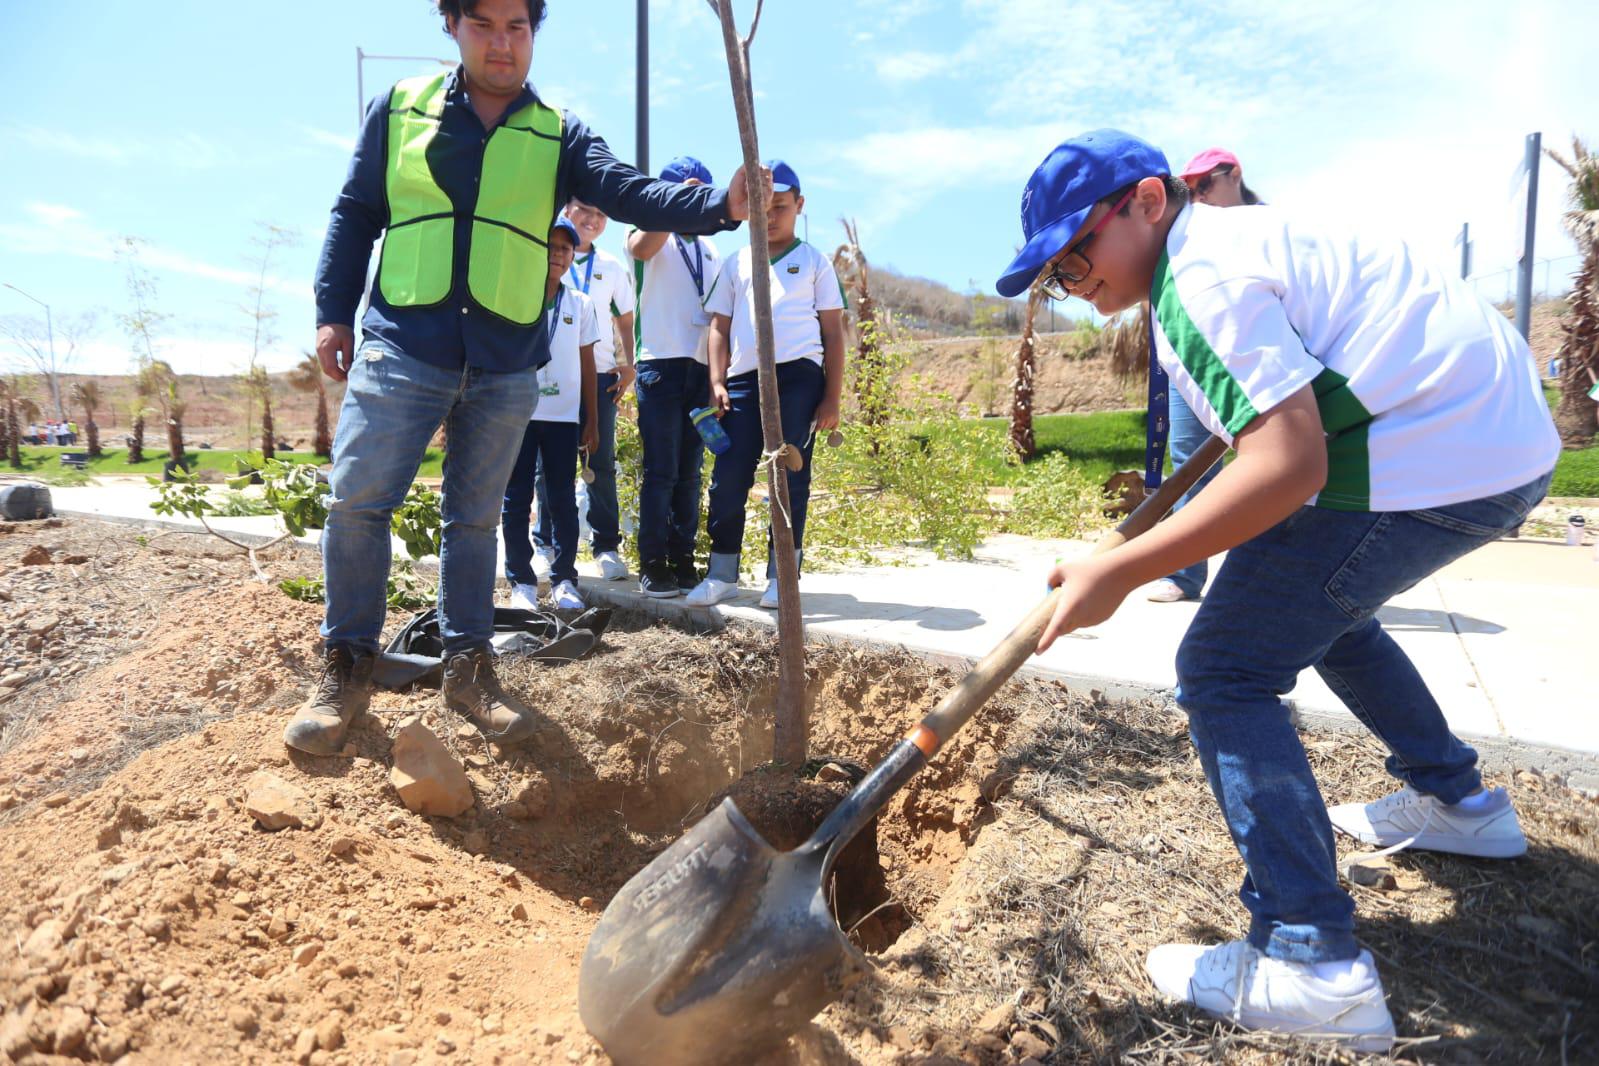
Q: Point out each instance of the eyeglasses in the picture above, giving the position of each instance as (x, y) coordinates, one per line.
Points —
(1073, 266)
(1202, 186)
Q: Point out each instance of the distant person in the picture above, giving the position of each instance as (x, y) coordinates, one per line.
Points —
(602, 277)
(564, 422)
(808, 328)
(1216, 178)
(1385, 421)
(461, 173)
(673, 272)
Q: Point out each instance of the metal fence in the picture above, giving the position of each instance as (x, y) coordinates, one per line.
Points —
(1550, 278)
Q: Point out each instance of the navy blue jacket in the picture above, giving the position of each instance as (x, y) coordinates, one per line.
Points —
(458, 332)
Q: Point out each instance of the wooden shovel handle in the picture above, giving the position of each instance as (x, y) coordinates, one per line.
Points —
(964, 700)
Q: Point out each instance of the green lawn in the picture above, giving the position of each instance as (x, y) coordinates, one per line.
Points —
(46, 462)
(1108, 441)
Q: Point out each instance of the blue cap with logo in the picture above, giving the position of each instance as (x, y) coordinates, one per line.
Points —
(1064, 189)
(685, 167)
(783, 176)
(565, 225)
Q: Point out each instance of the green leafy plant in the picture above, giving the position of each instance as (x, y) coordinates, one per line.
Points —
(418, 522)
(407, 590)
(1057, 499)
(296, 491)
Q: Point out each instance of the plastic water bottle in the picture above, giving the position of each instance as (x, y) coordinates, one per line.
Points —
(711, 431)
(1574, 529)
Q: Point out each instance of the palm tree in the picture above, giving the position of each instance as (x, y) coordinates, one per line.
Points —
(86, 394)
(146, 384)
(307, 377)
(1021, 403)
(1577, 417)
(259, 386)
(10, 428)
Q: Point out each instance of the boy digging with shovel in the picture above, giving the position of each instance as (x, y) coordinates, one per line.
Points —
(1386, 421)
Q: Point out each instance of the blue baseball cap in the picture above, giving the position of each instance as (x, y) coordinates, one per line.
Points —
(564, 223)
(1064, 189)
(685, 167)
(783, 176)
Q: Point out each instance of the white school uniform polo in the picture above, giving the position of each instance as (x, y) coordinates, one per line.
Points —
(572, 325)
(1427, 394)
(670, 321)
(803, 284)
(609, 284)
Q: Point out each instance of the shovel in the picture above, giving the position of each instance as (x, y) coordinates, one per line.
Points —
(722, 947)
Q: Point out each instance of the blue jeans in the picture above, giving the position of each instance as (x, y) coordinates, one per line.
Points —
(1187, 434)
(392, 405)
(799, 394)
(669, 499)
(603, 512)
(548, 458)
(1306, 593)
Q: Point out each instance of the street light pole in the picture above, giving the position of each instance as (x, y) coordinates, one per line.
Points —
(50, 332)
(642, 87)
(360, 83)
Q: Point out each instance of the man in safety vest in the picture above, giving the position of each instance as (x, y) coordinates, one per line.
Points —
(461, 174)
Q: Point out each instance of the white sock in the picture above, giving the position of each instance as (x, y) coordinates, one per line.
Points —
(1476, 801)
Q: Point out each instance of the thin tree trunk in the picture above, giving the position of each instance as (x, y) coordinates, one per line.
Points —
(1577, 416)
(790, 742)
(13, 441)
(1021, 403)
(268, 445)
(136, 449)
(175, 438)
(92, 431)
(324, 436)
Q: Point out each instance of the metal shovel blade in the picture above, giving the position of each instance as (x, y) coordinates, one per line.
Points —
(715, 951)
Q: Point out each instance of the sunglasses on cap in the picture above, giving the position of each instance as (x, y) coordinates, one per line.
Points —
(1202, 186)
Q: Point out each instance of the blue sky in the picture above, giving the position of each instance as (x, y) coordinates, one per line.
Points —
(188, 124)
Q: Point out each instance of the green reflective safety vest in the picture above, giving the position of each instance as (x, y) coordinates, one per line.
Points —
(508, 253)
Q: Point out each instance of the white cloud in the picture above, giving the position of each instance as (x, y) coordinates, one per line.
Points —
(53, 214)
(328, 139)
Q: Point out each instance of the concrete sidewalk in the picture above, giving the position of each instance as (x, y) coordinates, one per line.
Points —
(1507, 638)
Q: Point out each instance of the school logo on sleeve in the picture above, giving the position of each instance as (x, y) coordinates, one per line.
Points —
(598, 276)
(567, 319)
(793, 268)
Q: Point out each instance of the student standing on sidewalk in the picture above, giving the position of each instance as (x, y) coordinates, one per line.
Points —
(461, 173)
(602, 277)
(564, 421)
(808, 328)
(1386, 421)
(1214, 177)
(672, 273)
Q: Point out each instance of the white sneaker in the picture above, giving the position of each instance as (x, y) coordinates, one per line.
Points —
(1490, 832)
(612, 568)
(525, 597)
(566, 597)
(711, 591)
(769, 597)
(1237, 982)
(1165, 591)
(543, 559)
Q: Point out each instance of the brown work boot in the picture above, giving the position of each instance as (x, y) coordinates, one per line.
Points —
(341, 696)
(472, 690)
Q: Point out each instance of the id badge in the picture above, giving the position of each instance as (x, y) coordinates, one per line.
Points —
(702, 318)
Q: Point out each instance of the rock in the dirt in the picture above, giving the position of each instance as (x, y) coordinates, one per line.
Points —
(1029, 1046)
(242, 1019)
(532, 798)
(330, 1033)
(14, 679)
(426, 775)
(38, 555)
(71, 1029)
(46, 940)
(998, 1019)
(305, 954)
(304, 1045)
(276, 804)
(1373, 874)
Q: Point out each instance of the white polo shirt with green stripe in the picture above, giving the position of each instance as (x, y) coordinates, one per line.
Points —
(1428, 395)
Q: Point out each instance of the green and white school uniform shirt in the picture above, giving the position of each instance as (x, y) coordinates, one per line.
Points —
(1428, 395)
(603, 278)
(670, 322)
(803, 283)
(572, 325)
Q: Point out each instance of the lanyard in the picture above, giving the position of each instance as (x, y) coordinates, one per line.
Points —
(588, 276)
(696, 269)
(555, 311)
(1159, 422)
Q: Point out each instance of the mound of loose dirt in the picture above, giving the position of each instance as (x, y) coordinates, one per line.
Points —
(146, 914)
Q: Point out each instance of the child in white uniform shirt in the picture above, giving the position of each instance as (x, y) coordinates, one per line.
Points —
(808, 323)
(566, 392)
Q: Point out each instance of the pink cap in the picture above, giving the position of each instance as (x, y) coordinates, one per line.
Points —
(1208, 160)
